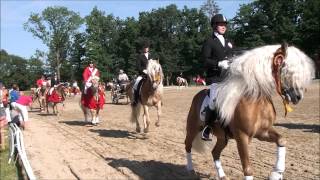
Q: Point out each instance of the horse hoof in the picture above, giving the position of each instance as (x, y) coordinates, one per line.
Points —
(276, 176)
(138, 130)
(146, 130)
(157, 124)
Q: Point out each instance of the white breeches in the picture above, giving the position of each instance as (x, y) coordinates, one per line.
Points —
(135, 86)
(213, 95)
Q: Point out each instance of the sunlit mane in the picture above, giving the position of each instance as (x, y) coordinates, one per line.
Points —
(251, 76)
(154, 67)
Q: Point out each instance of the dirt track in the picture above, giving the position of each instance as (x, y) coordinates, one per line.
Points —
(64, 148)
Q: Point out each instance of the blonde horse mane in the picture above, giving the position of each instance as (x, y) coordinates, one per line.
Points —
(250, 75)
(154, 67)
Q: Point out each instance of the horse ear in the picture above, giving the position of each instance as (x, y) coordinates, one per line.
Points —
(280, 54)
(158, 61)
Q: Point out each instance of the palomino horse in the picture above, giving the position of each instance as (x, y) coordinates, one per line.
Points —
(93, 100)
(150, 95)
(244, 103)
(181, 82)
(56, 97)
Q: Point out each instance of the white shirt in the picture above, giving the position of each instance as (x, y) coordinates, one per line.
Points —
(221, 38)
(146, 54)
(123, 77)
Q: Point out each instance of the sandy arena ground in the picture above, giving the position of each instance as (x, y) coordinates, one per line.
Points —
(64, 147)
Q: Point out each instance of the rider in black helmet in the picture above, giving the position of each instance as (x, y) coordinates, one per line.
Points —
(215, 53)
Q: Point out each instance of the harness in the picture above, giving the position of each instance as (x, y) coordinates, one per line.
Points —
(277, 64)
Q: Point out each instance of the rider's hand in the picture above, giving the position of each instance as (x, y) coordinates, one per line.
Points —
(224, 64)
(145, 71)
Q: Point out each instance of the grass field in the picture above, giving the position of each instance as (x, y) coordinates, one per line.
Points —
(7, 171)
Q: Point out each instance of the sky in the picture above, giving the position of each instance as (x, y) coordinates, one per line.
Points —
(15, 40)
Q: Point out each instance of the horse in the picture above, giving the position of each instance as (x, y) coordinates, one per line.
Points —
(150, 95)
(57, 96)
(39, 94)
(181, 82)
(93, 100)
(244, 103)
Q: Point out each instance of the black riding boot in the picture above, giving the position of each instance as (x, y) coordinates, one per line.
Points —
(211, 116)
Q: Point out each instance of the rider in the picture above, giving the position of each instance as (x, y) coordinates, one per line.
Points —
(122, 79)
(53, 83)
(41, 82)
(142, 62)
(215, 52)
(88, 74)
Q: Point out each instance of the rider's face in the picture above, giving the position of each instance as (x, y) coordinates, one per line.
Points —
(91, 64)
(221, 27)
(145, 50)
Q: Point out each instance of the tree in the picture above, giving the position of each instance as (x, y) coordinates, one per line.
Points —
(55, 27)
(102, 34)
(210, 8)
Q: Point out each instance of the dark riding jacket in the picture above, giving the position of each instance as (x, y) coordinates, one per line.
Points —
(142, 62)
(212, 53)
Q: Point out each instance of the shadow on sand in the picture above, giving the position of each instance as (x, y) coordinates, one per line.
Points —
(154, 169)
(118, 134)
(314, 128)
(75, 123)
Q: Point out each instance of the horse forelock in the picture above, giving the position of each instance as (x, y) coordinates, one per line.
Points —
(250, 75)
(154, 69)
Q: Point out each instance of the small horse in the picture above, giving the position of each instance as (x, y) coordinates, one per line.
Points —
(93, 100)
(150, 95)
(39, 94)
(244, 103)
(57, 96)
(181, 82)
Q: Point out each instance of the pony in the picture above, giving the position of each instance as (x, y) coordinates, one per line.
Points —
(57, 96)
(150, 95)
(39, 94)
(245, 107)
(93, 100)
(181, 82)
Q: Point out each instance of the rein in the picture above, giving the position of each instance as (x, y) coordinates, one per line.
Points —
(276, 73)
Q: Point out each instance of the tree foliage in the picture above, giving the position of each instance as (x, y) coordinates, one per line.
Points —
(176, 37)
(55, 27)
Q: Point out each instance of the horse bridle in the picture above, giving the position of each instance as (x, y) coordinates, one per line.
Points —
(277, 66)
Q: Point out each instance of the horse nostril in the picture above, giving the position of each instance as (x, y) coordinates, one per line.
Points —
(299, 98)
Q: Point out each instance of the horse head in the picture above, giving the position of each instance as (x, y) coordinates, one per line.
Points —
(295, 70)
(155, 74)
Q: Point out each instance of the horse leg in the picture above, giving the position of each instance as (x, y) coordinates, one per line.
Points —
(159, 112)
(93, 115)
(192, 131)
(216, 152)
(85, 113)
(97, 116)
(243, 140)
(273, 136)
(146, 118)
(135, 113)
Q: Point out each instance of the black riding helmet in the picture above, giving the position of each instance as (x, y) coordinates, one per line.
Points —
(218, 18)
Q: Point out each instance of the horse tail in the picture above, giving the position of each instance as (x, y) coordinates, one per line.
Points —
(135, 112)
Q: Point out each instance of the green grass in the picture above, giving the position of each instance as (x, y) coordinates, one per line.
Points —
(7, 171)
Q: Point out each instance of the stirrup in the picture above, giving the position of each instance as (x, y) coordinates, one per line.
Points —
(205, 135)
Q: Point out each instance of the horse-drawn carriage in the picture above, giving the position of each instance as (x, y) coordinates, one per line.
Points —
(118, 91)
